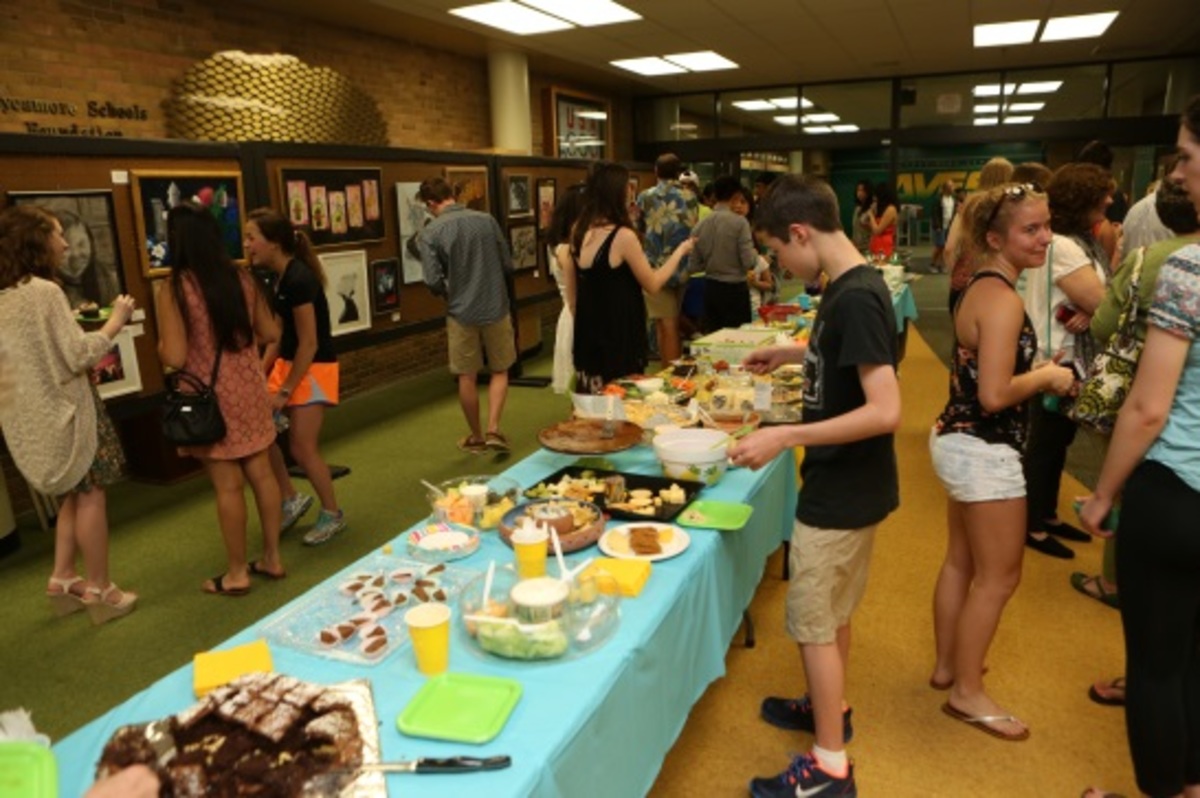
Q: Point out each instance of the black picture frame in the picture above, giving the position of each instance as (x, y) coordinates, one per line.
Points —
(547, 196)
(523, 239)
(518, 196)
(155, 192)
(93, 272)
(335, 205)
(385, 286)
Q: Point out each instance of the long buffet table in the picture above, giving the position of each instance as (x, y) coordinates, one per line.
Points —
(608, 717)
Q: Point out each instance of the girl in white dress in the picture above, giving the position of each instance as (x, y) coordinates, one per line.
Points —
(558, 239)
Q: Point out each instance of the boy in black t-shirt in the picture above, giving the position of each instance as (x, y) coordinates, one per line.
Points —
(851, 410)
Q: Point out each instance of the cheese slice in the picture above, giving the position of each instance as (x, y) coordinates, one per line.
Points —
(630, 575)
(212, 669)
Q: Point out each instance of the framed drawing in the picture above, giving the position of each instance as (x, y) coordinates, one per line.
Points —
(545, 202)
(519, 197)
(631, 194)
(334, 206)
(93, 269)
(157, 192)
(470, 185)
(117, 372)
(524, 246)
(576, 125)
(412, 217)
(346, 291)
(385, 285)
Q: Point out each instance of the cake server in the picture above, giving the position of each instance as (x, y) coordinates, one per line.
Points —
(453, 764)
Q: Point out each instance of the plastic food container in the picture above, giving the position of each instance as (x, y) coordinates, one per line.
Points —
(479, 501)
(695, 454)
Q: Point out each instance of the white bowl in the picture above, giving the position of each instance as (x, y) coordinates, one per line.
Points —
(699, 455)
(649, 385)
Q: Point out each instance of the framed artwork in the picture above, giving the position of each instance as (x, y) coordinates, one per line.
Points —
(93, 269)
(334, 206)
(632, 193)
(117, 372)
(412, 217)
(157, 192)
(576, 125)
(347, 291)
(545, 202)
(520, 196)
(523, 238)
(385, 285)
(470, 186)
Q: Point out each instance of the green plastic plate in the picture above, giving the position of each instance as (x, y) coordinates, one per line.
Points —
(27, 770)
(461, 707)
(713, 514)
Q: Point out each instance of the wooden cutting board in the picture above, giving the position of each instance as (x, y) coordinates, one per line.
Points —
(582, 436)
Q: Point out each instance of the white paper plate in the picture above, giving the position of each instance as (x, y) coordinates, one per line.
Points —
(615, 542)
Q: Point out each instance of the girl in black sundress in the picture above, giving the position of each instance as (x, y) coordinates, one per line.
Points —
(604, 280)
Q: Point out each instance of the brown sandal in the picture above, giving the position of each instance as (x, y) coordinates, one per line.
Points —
(472, 445)
(1108, 692)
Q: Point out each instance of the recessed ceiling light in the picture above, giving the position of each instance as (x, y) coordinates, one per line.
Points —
(993, 89)
(845, 128)
(1079, 26)
(1017, 120)
(818, 129)
(998, 34)
(786, 120)
(986, 120)
(704, 61)
(1039, 87)
(754, 105)
(648, 66)
(592, 114)
(786, 103)
(821, 117)
(1024, 107)
(593, 12)
(511, 17)
(988, 108)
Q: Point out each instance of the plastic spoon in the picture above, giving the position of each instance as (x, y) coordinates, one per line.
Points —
(558, 552)
(487, 583)
(441, 493)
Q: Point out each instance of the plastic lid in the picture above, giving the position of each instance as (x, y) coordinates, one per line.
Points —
(27, 770)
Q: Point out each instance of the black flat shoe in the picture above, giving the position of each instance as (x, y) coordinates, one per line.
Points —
(1066, 531)
(1048, 545)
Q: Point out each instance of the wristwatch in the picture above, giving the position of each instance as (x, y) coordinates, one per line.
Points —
(285, 392)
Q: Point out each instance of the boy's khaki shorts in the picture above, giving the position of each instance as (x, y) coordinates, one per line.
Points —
(829, 577)
(468, 344)
(666, 303)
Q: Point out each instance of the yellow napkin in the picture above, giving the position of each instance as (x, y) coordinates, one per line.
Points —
(211, 669)
(630, 575)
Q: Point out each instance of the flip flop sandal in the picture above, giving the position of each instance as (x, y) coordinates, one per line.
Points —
(982, 722)
(258, 570)
(472, 445)
(218, 588)
(497, 441)
(1110, 693)
(1094, 792)
(1093, 587)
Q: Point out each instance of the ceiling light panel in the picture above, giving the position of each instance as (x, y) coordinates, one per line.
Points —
(1038, 87)
(1080, 26)
(818, 129)
(993, 89)
(986, 120)
(999, 34)
(845, 128)
(787, 120)
(704, 61)
(593, 12)
(822, 117)
(511, 17)
(648, 66)
(1017, 120)
(786, 103)
(1023, 107)
(988, 108)
(755, 105)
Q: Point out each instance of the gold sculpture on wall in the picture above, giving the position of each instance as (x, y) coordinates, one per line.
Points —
(236, 96)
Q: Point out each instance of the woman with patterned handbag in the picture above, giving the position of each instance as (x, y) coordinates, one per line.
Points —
(212, 307)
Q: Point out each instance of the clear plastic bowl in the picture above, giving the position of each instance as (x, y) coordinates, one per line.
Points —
(451, 505)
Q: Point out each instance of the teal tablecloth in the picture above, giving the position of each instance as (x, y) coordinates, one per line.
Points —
(903, 302)
(607, 718)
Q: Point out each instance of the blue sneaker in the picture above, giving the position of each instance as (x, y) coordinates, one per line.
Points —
(294, 508)
(804, 778)
(328, 525)
(797, 715)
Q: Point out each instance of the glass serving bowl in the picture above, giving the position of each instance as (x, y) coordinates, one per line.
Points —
(569, 628)
(479, 500)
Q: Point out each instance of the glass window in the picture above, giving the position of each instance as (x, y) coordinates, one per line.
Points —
(1153, 88)
(759, 112)
(689, 116)
(950, 100)
(1054, 94)
(846, 107)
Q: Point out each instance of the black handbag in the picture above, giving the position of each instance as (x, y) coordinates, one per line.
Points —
(192, 418)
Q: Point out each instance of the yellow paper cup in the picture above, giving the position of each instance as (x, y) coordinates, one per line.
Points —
(530, 550)
(429, 628)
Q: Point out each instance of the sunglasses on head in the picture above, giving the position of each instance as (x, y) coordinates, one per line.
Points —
(1016, 191)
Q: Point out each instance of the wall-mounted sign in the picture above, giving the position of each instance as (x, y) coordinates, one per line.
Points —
(93, 110)
(576, 125)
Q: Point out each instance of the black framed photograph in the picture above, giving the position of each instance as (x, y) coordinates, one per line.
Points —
(545, 202)
(335, 205)
(93, 271)
(157, 192)
(520, 196)
(385, 285)
(523, 238)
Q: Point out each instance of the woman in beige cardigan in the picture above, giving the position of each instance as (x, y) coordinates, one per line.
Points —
(54, 423)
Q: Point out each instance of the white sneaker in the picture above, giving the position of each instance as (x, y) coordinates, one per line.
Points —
(294, 508)
(328, 525)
